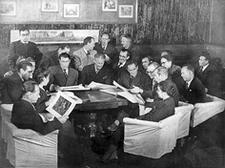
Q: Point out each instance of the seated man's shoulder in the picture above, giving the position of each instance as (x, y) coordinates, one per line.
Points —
(78, 51)
(74, 71)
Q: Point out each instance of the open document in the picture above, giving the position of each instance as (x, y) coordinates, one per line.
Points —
(63, 104)
(74, 88)
(95, 85)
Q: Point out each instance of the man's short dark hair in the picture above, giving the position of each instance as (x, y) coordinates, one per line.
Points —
(126, 50)
(168, 52)
(64, 55)
(206, 55)
(40, 75)
(88, 40)
(189, 67)
(128, 36)
(23, 65)
(24, 28)
(99, 55)
(29, 86)
(147, 56)
(165, 86)
(63, 46)
(168, 57)
(130, 62)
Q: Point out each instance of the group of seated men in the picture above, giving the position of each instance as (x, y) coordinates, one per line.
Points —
(161, 86)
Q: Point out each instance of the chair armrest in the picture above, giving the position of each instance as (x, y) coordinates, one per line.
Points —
(141, 122)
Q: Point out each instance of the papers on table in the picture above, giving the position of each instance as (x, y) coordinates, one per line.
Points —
(95, 85)
(63, 104)
(76, 88)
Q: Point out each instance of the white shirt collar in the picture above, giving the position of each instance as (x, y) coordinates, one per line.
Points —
(121, 65)
(204, 67)
(189, 82)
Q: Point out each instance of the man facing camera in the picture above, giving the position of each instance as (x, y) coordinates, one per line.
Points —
(97, 72)
(62, 74)
(23, 48)
(194, 91)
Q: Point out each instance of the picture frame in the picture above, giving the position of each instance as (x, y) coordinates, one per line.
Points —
(126, 11)
(57, 36)
(71, 10)
(109, 5)
(62, 105)
(49, 6)
(8, 8)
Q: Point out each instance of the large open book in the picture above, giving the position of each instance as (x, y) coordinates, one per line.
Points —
(96, 85)
(124, 92)
(63, 104)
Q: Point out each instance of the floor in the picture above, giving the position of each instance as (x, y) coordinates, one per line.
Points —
(207, 150)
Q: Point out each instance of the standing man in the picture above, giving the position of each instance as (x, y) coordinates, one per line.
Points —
(208, 75)
(104, 47)
(13, 84)
(194, 90)
(97, 72)
(126, 42)
(23, 48)
(85, 55)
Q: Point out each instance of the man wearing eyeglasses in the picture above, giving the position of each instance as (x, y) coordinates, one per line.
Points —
(23, 48)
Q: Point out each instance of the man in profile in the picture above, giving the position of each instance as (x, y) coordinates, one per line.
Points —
(104, 47)
(13, 84)
(85, 55)
(146, 61)
(23, 48)
(194, 90)
(97, 72)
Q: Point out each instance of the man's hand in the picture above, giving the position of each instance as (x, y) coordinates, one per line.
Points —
(136, 90)
(63, 119)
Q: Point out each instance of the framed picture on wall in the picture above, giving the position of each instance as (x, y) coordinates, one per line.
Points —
(8, 8)
(71, 10)
(126, 11)
(109, 5)
(49, 6)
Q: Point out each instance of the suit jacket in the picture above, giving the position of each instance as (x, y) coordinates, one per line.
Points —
(18, 49)
(141, 80)
(24, 116)
(57, 76)
(110, 51)
(117, 71)
(211, 79)
(195, 93)
(160, 110)
(88, 75)
(173, 92)
(82, 58)
(12, 88)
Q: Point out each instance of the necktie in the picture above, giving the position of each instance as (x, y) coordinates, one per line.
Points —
(65, 73)
(186, 85)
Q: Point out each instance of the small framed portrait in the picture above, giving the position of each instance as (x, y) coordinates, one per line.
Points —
(109, 5)
(71, 10)
(49, 6)
(126, 11)
(8, 8)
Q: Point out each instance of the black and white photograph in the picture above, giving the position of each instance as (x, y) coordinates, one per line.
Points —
(112, 83)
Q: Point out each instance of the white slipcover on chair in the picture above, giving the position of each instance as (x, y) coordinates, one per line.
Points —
(5, 111)
(204, 111)
(150, 139)
(185, 110)
(27, 148)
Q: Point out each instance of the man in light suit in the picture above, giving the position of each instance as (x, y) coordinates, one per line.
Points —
(85, 55)
(62, 75)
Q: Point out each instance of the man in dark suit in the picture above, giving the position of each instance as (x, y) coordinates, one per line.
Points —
(133, 77)
(63, 75)
(194, 90)
(52, 58)
(97, 72)
(13, 84)
(208, 75)
(121, 65)
(104, 47)
(25, 116)
(23, 48)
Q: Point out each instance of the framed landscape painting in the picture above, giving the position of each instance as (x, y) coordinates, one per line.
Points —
(109, 5)
(126, 11)
(71, 10)
(49, 6)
